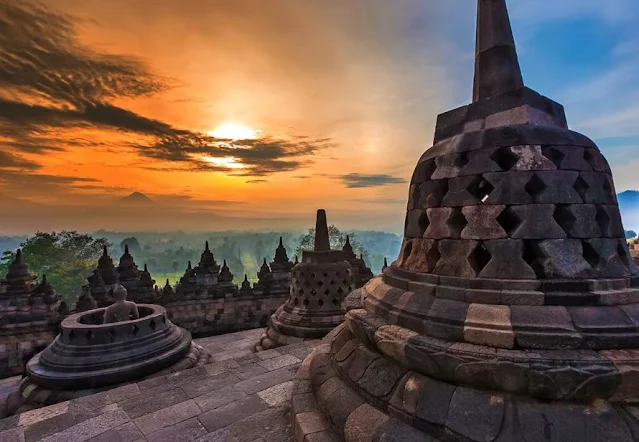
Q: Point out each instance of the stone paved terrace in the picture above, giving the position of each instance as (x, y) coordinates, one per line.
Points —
(241, 397)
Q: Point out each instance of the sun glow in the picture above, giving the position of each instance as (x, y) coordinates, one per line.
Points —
(232, 131)
(228, 162)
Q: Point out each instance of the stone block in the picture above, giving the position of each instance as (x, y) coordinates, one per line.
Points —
(235, 411)
(531, 158)
(424, 255)
(454, 256)
(381, 376)
(184, 431)
(508, 188)
(506, 260)
(567, 157)
(480, 161)
(363, 423)
(554, 187)
(438, 226)
(397, 431)
(475, 414)
(446, 320)
(578, 220)
(532, 325)
(360, 360)
(603, 255)
(489, 325)
(166, 417)
(595, 188)
(560, 422)
(467, 141)
(458, 194)
(562, 258)
(433, 402)
(341, 404)
(536, 222)
(218, 398)
(482, 223)
(309, 423)
(449, 166)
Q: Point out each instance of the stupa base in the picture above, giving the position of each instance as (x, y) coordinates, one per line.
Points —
(272, 338)
(29, 395)
(347, 390)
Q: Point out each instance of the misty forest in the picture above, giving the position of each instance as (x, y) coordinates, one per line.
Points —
(69, 257)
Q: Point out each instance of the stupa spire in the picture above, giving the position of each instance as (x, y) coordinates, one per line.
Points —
(105, 252)
(496, 64)
(322, 242)
(206, 246)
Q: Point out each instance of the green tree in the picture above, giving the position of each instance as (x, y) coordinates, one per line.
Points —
(67, 258)
(337, 240)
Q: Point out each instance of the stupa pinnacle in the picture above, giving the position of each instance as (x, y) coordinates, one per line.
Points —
(514, 304)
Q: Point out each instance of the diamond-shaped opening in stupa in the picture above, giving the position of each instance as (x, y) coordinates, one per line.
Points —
(581, 187)
(554, 155)
(535, 186)
(564, 217)
(479, 258)
(505, 158)
(480, 188)
(603, 220)
(508, 220)
(591, 255)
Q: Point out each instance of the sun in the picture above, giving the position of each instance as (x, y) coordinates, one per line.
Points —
(233, 131)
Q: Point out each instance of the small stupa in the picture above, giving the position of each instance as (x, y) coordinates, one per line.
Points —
(319, 284)
(512, 311)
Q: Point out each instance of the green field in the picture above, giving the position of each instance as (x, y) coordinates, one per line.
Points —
(250, 266)
(160, 278)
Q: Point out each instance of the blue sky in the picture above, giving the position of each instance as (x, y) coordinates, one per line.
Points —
(585, 54)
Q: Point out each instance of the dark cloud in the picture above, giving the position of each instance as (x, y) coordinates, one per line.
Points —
(11, 161)
(16, 182)
(356, 180)
(49, 81)
(257, 181)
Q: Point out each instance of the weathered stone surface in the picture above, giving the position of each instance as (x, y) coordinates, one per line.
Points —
(475, 414)
(489, 325)
(565, 423)
(536, 222)
(433, 402)
(531, 324)
(453, 259)
(506, 260)
(482, 223)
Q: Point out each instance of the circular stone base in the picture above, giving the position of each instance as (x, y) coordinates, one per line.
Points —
(34, 396)
(271, 338)
(362, 395)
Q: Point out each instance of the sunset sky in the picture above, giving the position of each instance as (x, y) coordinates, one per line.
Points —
(333, 102)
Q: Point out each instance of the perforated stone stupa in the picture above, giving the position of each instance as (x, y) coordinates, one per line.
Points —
(512, 312)
(318, 286)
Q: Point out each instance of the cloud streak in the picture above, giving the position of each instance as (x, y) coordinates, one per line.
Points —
(49, 81)
(356, 180)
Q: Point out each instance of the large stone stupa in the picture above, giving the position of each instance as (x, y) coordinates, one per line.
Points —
(319, 285)
(512, 312)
